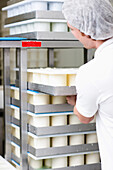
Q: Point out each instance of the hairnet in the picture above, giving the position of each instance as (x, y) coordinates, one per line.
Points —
(92, 17)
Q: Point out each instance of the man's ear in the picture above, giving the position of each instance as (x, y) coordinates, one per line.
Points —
(84, 35)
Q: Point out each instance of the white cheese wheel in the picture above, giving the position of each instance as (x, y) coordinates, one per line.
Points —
(15, 93)
(58, 99)
(92, 158)
(59, 27)
(16, 132)
(39, 142)
(59, 141)
(76, 160)
(39, 121)
(57, 80)
(23, 28)
(35, 5)
(15, 113)
(71, 79)
(17, 151)
(42, 26)
(59, 120)
(76, 139)
(12, 93)
(35, 164)
(73, 119)
(44, 79)
(18, 29)
(55, 6)
(48, 163)
(38, 99)
(59, 162)
(34, 77)
(91, 138)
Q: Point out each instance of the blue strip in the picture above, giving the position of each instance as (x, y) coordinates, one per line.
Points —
(51, 112)
(33, 91)
(11, 39)
(15, 106)
(12, 85)
(15, 162)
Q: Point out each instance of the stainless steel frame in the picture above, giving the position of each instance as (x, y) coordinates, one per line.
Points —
(23, 107)
(40, 153)
(6, 60)
(51, 57)
(6, 45)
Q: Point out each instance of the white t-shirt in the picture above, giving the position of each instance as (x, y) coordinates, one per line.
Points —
(94, 85)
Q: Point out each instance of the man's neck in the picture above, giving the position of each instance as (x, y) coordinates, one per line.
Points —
(100, 42)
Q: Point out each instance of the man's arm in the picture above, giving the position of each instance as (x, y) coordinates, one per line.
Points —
(82, 119)
(72, 101)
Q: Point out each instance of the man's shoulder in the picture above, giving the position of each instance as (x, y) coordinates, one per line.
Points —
(87, 68)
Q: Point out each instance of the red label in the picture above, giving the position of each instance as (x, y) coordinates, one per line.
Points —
(31, 44)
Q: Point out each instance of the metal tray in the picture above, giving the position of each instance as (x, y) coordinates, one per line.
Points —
(48, 36)
(53, 152)
(58, 130)
(63, 130)
(53, 90)
(35, 15)
(44, 108)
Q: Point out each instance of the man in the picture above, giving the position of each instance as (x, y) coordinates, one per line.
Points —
(91, 22)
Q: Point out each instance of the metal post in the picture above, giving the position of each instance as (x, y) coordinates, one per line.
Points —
(50, 57)
(23, 108)
(7, 110)
(85, 55)
(91, 54)
(17, 57)
(17, 63)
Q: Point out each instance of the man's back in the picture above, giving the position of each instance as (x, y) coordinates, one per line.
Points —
(95, 93)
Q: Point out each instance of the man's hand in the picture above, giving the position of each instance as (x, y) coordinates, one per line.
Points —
(71, 100)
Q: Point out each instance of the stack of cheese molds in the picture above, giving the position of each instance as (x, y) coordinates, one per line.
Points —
(55, 134)
(40, 19)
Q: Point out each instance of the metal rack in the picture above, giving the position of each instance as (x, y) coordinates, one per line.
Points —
(21, 47)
